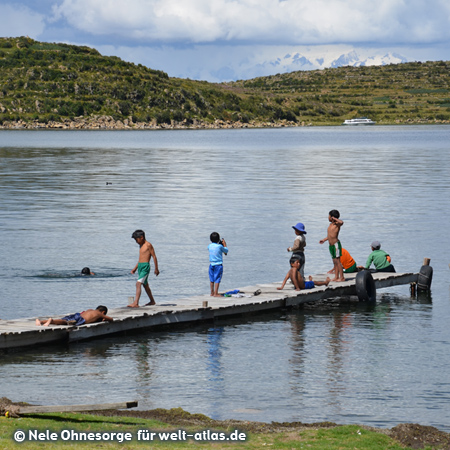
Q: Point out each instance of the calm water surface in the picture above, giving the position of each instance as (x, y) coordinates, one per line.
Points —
(72, 199)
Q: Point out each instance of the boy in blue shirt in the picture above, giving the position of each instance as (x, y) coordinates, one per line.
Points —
(216, 249)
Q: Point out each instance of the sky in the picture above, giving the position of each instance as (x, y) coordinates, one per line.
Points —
(222, 40)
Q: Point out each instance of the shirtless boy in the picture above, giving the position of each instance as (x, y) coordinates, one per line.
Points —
(297, 280)
(146, 252)
(88, 316)
(334, 243)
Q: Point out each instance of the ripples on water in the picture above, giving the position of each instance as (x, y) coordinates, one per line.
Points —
(72, 199)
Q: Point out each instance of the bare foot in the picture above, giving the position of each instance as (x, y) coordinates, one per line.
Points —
(327, 281)
(46, 324)
(133, 305)
(341, 279)
(38, 323)
(150, 303)
(217, 295)
(310, 278)
(280, 288)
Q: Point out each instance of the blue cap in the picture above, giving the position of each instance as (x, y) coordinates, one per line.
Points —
(299, 227)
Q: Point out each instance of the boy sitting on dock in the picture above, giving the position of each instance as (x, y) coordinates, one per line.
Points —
(380, 259)
(146, 252)
(335, 246)
(216, 249)
(348, 263)
(77, 319)
(297, 280)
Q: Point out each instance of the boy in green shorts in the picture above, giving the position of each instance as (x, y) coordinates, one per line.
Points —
(146, 252)
(334, 243)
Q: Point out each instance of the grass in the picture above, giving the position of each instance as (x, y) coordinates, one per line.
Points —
(339, 438)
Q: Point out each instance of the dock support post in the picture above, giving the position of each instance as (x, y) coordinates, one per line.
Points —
(413, 288)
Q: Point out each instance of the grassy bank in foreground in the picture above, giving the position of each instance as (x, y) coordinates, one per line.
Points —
(258, 435)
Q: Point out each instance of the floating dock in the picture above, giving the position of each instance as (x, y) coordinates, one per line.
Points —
(22, 333)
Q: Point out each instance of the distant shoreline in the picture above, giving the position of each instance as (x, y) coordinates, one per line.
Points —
(109, 123)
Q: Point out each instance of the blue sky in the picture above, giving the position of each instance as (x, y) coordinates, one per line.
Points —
(220, 40)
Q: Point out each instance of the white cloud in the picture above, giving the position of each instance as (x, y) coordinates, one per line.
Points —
(261, 21)
(18, 20)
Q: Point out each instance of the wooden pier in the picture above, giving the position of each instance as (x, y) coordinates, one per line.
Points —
(20, 333)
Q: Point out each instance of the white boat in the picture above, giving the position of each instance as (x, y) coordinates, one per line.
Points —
(359, 121)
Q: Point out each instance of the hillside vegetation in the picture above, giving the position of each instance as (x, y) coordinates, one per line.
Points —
(63, 85)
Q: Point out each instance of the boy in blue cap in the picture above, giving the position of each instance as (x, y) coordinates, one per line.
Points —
(216, 249)
(299, 245)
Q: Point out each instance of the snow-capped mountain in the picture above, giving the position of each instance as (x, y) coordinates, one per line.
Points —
(297, 61)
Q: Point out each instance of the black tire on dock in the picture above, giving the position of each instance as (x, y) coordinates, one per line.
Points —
(365, 287)
(425, 277)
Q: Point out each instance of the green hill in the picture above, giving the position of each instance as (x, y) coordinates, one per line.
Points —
(43, 84)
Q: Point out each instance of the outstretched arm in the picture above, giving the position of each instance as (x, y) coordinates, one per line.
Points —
(284, 282)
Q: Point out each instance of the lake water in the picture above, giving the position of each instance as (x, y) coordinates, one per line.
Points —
(71, 199)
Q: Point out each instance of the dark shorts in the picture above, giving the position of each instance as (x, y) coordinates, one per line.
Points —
(301, 257)
(389, 268)
(74, 318)
(215, 273)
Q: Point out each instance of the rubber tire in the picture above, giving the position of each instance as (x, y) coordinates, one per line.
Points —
(425, 277)
(365, 287)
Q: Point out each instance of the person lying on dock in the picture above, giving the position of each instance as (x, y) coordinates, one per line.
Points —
(348, 263)
(380, 259)
(297, 280)
(82, 318)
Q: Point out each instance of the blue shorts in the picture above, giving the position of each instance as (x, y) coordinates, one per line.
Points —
(75, 318)
(215, 273)
(309, 284)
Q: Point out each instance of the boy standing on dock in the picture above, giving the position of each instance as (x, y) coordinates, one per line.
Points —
(334, 243)
(216, 250)
(146, 252)
(297, 280)
(299, 245)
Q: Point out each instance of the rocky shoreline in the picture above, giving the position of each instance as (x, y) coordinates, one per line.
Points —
(109, 123)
